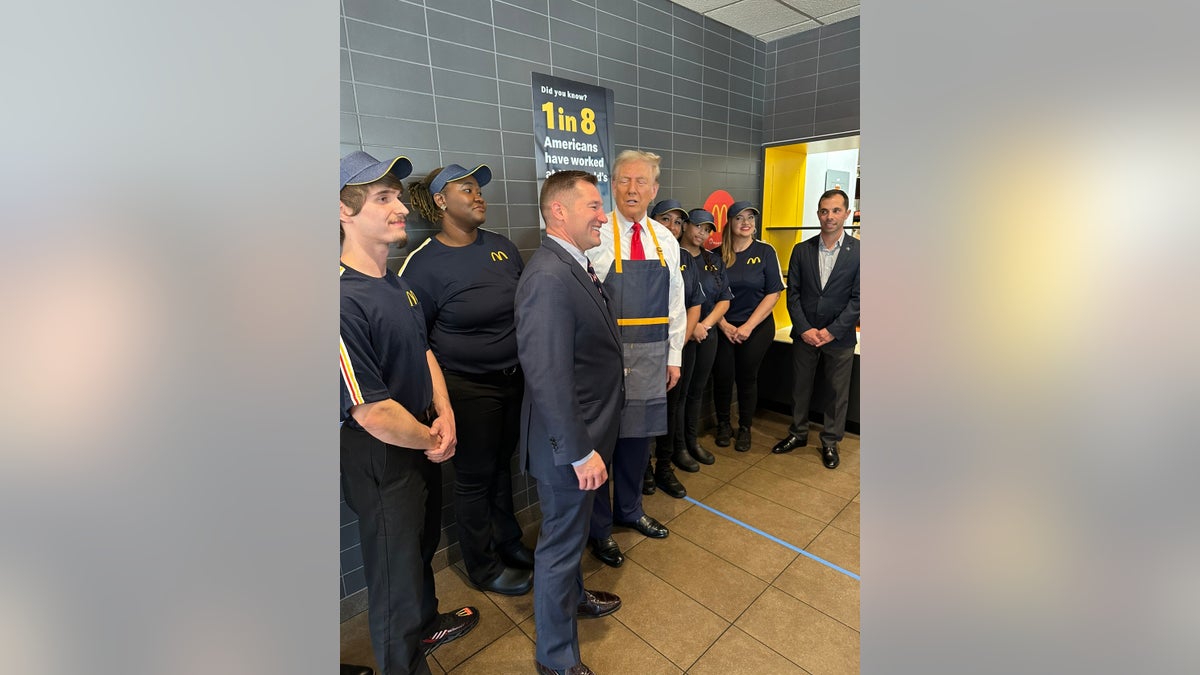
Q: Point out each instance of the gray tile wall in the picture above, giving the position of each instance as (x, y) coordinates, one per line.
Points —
(450, 82)
(812, 88)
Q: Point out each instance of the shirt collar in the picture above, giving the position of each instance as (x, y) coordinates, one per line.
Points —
(572, 249)
(836, 246)
(627, 225)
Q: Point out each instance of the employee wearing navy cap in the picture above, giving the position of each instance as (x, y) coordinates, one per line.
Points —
(715, 282)
(669, 447)
(397, 423)
(748, 328)
(466, 280)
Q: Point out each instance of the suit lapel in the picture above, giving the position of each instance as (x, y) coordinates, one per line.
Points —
(585, 281)
(849, 250)
(814, 259)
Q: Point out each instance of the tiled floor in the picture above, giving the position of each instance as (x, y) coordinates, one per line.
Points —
(713, 597)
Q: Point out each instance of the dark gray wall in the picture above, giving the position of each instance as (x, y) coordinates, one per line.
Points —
(812, 84)
(450, 82)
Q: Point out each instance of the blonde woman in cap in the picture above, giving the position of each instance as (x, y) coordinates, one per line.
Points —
(714, 282)
(466, 280)
(748, 328)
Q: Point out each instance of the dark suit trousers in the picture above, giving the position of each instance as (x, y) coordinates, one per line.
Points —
(625, 474)
(676, 403)
(397, 495)
(557, 575)
(487, 416)
(836, 366)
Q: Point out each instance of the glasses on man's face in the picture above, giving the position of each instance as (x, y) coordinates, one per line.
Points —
(624, 181)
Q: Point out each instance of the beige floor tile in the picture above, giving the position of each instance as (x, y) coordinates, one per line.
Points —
(664, 508)
(725, 469)
(847, 520)
(677, 626)
(814, 474)
(510, 653)
(819, 644)
(752, 552)
(794, 528)
(356, 645)
(737, 652)
(836, 546)
(453, 592)
(609, 647)
(823, 588)
(796, 496)
(699, 485)
(717, 584)
(516, 607)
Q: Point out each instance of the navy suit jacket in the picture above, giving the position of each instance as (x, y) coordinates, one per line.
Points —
(834, 307)
(570, 351)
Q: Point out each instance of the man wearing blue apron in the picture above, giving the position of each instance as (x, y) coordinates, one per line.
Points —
(638, 262)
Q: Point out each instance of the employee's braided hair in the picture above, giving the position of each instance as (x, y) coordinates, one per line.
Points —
(422, 198)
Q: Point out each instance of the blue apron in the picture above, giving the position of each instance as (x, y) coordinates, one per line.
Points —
(640, 292)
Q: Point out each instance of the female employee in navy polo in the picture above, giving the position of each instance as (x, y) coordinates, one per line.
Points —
(466, 280)
(715, 283)
(748, 328)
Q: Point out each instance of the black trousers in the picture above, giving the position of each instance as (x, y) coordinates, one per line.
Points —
(487, 417)
(676, 402)
(397, 495)
(836, 368)
(706, 353)
(739, 363)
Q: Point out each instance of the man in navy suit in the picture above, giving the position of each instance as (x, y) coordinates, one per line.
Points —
(570, 351)
(822, 300)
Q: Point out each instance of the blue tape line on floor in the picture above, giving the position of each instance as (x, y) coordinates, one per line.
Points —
(777, 540)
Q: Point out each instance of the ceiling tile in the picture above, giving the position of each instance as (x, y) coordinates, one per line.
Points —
(703, 6)
(790, 30)
(757, 16)
(840, 16)
(819, 8)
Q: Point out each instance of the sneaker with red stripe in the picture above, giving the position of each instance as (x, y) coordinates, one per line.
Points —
(451, 626)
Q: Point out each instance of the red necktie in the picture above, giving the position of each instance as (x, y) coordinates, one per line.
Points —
(636, 252)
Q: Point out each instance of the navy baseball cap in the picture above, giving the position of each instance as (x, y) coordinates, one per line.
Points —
(359, 168)
(453, 172)
(738, 207)
(702, 217)
(668, 205)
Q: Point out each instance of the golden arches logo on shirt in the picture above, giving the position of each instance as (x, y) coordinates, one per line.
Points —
(497, 256)
(753, 261)
(412, 298)
(683, 267)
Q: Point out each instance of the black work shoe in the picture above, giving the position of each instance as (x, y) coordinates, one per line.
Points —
(789, 444)
(449, 627)
(743, 439)
(647, 526)
(724, 433)
(607, 551)
(519, 556)
(648, 481)
(664, 476)
(684, 461)
(511, 581)
(577, 669)
(829, 456)
(701, 455)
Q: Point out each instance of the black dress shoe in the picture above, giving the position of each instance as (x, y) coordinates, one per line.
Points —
(743, 440)
(519, 556)
(577, 669)
(829, 456)
(701, 455)
(664, 476)
(724, 433)
(648, 481)
(647, 526)
(597, 604)
(511, 581)
(607, 551)
(348, 669)
(789, 444)
(682, 459)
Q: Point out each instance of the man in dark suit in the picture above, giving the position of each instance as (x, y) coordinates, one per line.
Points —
(822, 300)
(570, 351)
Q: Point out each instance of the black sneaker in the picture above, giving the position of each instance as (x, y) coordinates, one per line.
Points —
(450, 627)
(724, 433)
(743, 439)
